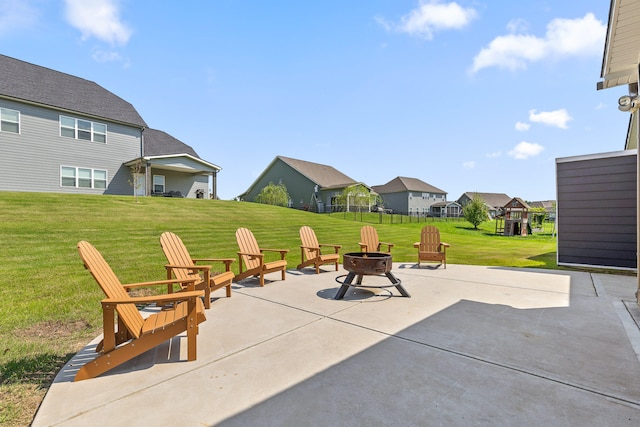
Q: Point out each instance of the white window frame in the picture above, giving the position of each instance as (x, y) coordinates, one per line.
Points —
(3, 120)
(94, 177)
(96, 132)
(161, 178)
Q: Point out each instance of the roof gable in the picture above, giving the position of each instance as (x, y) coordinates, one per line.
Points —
(39, 85)
(323, 175)
(402, 184)
(492, 199)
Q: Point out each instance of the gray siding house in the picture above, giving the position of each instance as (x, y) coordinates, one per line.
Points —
(61, 133)
(493, 201)
(409, 196)
(169, 167)
(311, 186)
(597, 210)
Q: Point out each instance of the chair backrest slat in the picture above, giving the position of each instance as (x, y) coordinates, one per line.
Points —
(177, 254)
(429, 239)
(247, 243)
(309, 240)
(111, 286)
(369, 236)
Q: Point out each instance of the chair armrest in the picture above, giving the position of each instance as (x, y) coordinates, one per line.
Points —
(388, 245)
(446, 245)
(363, 247)
(250, 255)
(275, 250)
(416, 245)
(188, 267)
(330, 245)
(227, 261)
(158, 282)
(180, 296)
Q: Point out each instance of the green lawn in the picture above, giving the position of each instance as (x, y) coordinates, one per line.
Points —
(50, 304)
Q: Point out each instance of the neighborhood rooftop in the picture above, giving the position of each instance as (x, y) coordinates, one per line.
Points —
(23, 81)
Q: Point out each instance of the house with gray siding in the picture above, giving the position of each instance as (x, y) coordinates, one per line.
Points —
(493, 201)
(61, 133)
(169, 167)
(409, 196)
(311, 186)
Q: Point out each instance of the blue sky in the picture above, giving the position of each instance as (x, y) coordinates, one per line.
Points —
(466, 95)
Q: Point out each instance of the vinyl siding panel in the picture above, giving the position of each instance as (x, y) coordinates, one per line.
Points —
(32, 160)
(597, 210)
(299, 187)
(186, 184)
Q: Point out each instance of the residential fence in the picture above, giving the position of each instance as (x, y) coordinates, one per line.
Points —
(387, 217)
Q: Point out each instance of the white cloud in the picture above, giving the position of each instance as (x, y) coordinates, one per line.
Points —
(525, 150)
(517, 25)
(557, 118)
(99, 19)
(102, 56)
(521, 126)
(430, 17)
(564, 37)
(494, 155)
(469, 165)
(17, 15)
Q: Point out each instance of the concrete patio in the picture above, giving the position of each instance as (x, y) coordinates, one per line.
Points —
(472, 346)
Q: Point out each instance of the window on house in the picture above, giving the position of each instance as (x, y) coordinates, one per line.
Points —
(9, 120)
(83, 129)
(158, 183)
(71, 176)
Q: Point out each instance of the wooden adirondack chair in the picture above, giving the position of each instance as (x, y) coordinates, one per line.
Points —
(252, 257)
(430, 248)
(369, 240)
(182, 312)
(182, 266)
(310, 251)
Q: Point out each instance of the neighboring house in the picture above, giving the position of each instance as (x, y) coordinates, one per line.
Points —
(61, 133)
(493, 201)
(170, 167)
(409, 196)
(311, 186)
(549, 207)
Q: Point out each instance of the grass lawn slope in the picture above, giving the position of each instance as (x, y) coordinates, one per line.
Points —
(50, 304)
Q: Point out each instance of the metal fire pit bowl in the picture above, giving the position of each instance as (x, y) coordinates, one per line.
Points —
(360, 264)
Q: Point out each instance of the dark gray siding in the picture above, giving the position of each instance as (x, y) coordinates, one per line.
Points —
(31, 161)
(398, 202)
(299, 187)
(597, 210)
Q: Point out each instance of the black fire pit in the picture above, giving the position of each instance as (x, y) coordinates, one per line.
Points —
(360, 264)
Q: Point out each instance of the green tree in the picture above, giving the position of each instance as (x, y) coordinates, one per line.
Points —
(273, 195)
(356, 198)
(475, 211)
(538, 215)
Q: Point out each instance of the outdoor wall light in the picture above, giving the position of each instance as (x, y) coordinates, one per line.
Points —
(628, 103)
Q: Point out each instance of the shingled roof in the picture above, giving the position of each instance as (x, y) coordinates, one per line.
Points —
(402, 184)
(323, 175)
(496, 200)
(31, 83)
(159, 143)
